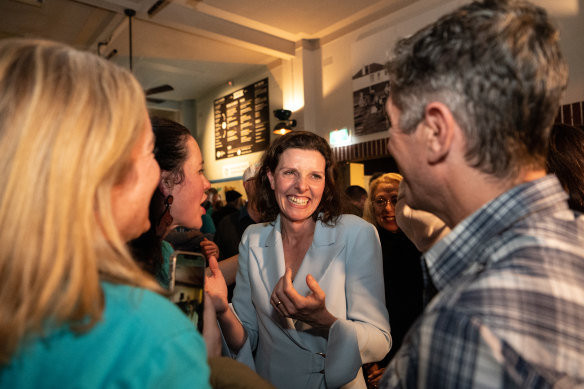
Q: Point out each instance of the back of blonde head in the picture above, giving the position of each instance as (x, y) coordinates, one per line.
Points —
(68, 123)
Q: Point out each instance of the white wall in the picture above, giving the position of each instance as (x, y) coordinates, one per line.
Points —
(296, 81)
(341, 59)
(338, 57)
(571, 34)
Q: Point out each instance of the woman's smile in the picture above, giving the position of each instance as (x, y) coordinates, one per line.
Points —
(300, 201)
(298, 183)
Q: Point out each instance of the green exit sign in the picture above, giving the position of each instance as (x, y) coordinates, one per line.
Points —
(339, 137)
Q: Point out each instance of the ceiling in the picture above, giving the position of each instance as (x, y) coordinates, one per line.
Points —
(199, 45)
(193, 45)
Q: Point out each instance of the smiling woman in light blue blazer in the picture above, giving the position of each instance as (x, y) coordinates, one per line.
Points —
(309, 298)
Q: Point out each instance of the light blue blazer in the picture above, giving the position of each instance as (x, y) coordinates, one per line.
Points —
(347, 263)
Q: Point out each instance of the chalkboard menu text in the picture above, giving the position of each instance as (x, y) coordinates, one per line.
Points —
(242, 121)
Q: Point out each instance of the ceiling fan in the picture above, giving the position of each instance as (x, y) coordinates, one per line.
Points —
(157, 89)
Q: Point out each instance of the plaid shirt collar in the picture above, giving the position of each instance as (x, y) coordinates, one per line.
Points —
(456, 254)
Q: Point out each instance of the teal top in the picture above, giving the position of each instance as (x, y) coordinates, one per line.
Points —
(208, 226)
(163, 277)
(142, 341)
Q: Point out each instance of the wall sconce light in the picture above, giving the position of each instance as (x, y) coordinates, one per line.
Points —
(286, 125)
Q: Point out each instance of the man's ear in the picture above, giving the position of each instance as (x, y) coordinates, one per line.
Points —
(166, 183)
(440, 128)
(271, 178)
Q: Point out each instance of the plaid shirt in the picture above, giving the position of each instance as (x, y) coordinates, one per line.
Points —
(509, 308)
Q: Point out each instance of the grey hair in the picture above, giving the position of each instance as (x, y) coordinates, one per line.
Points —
(497, 65)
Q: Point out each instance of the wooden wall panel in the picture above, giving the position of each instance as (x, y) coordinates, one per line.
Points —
(572, 114)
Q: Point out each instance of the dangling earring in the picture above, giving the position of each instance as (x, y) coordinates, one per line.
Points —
(166, 218)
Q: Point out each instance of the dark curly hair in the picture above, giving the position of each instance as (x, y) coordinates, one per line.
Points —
(171, 146)
(566, 161)
(329, 208)
(170, 151)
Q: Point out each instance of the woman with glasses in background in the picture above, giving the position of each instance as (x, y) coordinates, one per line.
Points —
(402, 270)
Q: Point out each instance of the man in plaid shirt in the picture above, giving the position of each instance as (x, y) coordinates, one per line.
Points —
(473, 97)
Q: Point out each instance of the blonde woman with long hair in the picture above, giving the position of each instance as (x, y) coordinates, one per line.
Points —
(78, 173)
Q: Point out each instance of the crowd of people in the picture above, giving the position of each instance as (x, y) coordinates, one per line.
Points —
(465, 269)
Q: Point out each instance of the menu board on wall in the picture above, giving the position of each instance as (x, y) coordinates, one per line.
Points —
(242, 121)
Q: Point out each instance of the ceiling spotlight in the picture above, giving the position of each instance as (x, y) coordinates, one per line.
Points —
(286, 125)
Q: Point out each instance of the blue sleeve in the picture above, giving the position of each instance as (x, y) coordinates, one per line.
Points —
(364, 336)
(163, 277)
(180, 361)
(243, 306)
(208, 226)
(162, 348)
(141, 341)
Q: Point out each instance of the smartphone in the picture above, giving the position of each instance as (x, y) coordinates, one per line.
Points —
(187, 284)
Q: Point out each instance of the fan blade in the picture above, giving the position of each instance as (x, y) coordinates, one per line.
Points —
(155, 101)
(159, 89)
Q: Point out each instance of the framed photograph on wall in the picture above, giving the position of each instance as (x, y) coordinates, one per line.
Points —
(370, 81)
(370, 91)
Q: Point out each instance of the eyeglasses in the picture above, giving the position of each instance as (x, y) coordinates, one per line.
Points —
(380, 202)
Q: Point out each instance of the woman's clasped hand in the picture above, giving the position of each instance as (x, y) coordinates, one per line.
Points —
(310, 309)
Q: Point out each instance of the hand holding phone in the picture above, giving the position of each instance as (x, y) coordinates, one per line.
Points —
(187, 284)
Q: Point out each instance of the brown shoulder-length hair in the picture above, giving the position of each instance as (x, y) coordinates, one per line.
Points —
(329, 208)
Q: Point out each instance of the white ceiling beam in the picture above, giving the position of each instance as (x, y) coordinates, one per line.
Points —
(195, 22)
